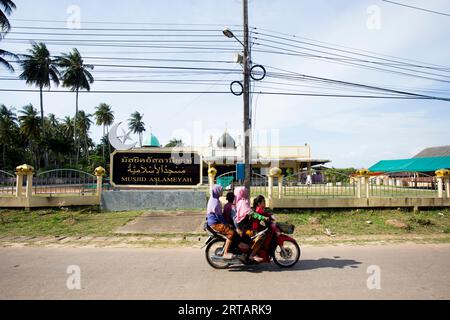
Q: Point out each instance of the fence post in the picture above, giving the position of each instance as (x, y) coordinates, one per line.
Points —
(280, 186)
(19, 183)
(99, 172)
(362, 188)
(442, 177)
(21, 171)
(447, 186)
(275, 172)
(270, 186)
(211, 178)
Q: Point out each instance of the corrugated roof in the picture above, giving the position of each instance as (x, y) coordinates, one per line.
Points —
(443, 151)
(412, 165)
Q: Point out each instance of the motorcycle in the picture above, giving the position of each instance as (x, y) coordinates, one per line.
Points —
(277, 246)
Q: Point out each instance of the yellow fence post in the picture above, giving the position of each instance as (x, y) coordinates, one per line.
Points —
(362, 187)
(19, 185)
(99, 173)
(275, 172)
(21, 171)
(270, 187)
(443, 176)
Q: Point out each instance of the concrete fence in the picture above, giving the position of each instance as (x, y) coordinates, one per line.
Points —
(358, 192)
(29, 197)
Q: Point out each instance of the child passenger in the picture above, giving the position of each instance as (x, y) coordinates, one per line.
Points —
(244, 219)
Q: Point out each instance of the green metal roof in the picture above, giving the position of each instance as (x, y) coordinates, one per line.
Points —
(412, 165)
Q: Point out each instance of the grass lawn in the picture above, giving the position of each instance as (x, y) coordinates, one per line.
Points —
(57, 222)
(91, 222)
(356, 222)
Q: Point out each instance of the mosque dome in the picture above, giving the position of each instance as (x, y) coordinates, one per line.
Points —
(151, 142)
(226, 142)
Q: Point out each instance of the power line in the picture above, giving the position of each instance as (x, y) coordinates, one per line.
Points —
(349, 60)
(417, 8)
(122, 29)
(127, 23)
(386, 62)
(227, 92)
(372, 53)
(346, 83)
(294, 52)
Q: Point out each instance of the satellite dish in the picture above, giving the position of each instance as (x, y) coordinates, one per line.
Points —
(116, 142)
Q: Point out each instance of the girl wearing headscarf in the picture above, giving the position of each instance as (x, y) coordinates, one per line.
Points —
(216, 220)
(244, 218)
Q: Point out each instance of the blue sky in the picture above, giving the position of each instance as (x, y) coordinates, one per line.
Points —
(350, 132)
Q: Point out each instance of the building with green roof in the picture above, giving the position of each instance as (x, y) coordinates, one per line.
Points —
(151, 141)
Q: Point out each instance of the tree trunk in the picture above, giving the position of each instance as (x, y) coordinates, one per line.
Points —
(4, 156)
(42, 107)
(109, 145)
(103, 145)
(43, 134)
(77, 150)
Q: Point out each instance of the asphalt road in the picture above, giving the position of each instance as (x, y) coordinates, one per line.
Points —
(331, 272)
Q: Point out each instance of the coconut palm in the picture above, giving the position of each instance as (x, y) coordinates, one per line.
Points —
(4, 55)
(136, 124)
(39, 69)
(8, 128)
(104, 116)
(6, 8)
(76, 76)
(83, 125)
(30, 128)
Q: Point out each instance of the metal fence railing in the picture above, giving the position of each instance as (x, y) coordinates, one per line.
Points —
(319, 184)
(259, 183)
(7, 183)
(403, 184)
(64, 181)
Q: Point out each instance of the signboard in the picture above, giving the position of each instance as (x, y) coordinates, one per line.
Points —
(142, 168)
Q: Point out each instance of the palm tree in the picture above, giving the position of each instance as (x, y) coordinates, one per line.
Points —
(67, 128)
(173, 143)
(8, 127)
(6, 8)
(39, 69)
(75, 75)
(104, 116)
(84, 123)
(4, 54)
(136, 124)
(30, 128)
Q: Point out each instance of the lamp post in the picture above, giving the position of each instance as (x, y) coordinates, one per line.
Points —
(246, 93)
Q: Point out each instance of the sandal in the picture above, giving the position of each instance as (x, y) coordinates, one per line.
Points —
(257, 259)
(228, 256)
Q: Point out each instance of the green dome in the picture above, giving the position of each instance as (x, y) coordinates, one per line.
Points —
(151, 142)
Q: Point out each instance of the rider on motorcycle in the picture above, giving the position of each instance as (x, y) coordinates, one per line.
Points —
(216, 220)
(245, 217)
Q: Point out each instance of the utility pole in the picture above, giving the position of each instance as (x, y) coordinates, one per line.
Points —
(247, 120)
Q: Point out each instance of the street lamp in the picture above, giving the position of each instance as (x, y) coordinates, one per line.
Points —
(229, 34)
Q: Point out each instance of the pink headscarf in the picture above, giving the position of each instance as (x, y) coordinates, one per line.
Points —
(242, 203)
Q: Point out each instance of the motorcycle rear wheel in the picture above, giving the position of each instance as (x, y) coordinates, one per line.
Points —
(215, 248)
(289, 257)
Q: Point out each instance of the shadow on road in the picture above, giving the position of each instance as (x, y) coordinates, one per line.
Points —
(302, 265)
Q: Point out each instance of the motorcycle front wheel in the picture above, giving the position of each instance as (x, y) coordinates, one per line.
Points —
(288, 255)
(215, 249)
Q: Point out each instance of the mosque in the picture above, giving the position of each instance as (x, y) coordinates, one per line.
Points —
(225, 153)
